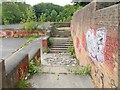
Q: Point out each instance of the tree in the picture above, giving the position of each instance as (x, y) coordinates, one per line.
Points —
(67, 12)
(46, 8)
(42, 17)
(30, 21)
(13, 12)
(53, 15)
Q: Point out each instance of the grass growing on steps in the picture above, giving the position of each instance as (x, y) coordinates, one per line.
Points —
(85, 70)
(23, 84)
(71, 50)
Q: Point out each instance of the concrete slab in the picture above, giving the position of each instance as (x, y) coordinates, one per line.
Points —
(55, 69)
(9, 45)
(60, 81)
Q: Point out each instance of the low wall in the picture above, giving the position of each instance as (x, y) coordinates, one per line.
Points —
(17, 64)
(95, 36)
(20, 33)
(61, 24)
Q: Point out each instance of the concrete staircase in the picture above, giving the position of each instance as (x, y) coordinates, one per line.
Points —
(60, 45)
(61, 40)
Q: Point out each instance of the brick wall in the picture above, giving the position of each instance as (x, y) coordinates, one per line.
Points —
(95, 36)
(20, 33)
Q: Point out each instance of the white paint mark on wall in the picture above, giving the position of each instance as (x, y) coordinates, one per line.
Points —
(95, 42)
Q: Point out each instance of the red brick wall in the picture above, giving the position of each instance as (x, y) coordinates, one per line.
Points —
(37, 57)
(23, 69)
(19, 33)
(44, 44)
(95, 36)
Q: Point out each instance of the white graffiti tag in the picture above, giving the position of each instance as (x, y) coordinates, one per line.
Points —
(95, 43)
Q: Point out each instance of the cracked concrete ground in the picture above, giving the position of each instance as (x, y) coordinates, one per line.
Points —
(57, 75)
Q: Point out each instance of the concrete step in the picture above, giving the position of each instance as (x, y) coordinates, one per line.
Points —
(39, 80)
(57, 51)
(59, 46)
(55, 44)
(60, 43)
(58, 69)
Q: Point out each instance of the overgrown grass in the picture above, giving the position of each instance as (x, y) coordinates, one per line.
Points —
(23, 84)
(85, 70)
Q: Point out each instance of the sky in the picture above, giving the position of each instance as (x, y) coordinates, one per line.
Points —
(58, 2)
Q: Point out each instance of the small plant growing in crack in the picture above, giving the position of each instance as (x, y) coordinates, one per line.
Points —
(33, 68)
(85, 70)
(47, 50)
(71, 50)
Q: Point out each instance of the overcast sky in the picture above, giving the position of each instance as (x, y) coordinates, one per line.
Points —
(58, 2)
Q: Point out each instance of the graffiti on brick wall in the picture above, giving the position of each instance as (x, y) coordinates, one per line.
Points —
(83, 41)
(111, 49)
(78, 44)
(95, 43)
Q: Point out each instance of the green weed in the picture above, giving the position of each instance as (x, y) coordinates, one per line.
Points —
(23, 84)
(85, 70)
(33, 68)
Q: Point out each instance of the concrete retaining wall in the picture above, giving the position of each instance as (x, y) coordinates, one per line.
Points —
(95, 36)
(17, 64)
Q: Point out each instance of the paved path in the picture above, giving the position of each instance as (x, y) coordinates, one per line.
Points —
(8, 45)
(55, 67)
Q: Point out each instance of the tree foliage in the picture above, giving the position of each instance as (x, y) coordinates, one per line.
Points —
(13, 12)
(46, 8)
(54, 12)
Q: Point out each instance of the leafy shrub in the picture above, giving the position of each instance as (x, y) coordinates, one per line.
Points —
(30, 25)
(49, 41)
